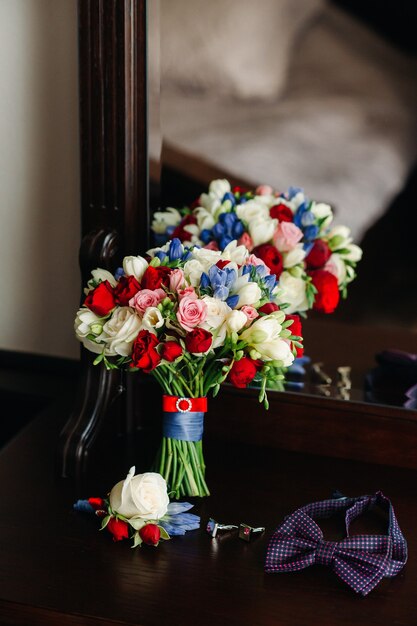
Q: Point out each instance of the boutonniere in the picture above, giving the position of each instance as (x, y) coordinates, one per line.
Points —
(139, 508)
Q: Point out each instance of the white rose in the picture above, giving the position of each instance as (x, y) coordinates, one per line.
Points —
(252, 209)
(141, 497)
(192, 272)
(152, 319)
(205, 220)
(354, 253)
(88, 323)
(262, 229)
(102, 275)
(217, 311)
(292, 291)
(294, 256)
(121, 331)
(135, 266)
(219, 187)
(236, 321)
(264, 337)
(235, 253)
(210, 202)
(207, 258)
(248, 292)
(321, 211)
(163, 219)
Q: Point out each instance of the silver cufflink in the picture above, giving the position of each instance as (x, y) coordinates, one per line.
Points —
(213, 527)
(247, 532)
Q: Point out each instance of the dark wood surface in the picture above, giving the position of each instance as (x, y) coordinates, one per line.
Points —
(57, 568)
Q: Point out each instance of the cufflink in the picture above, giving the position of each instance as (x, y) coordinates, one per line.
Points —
(247, 532)
(213, 527)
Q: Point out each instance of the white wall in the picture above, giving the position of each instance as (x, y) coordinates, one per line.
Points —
(39, 176)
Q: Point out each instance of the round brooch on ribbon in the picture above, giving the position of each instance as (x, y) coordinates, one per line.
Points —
(183, 405)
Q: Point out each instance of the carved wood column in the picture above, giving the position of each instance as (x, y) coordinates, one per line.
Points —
(114, 186)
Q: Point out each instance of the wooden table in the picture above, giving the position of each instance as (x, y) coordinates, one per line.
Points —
(56, 568)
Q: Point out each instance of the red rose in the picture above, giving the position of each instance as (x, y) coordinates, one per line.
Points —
(125, 289)
(101, 300)
(198, 340)
(96, 503)
(150, 534)
(144, 354)
(271, 257)
(318, 255)
(154, 277)
(243, 372)
(268, 308)
(296, 329)
(327, 296)
(179, 232)
(281, 212)
(118, 528)
(170, 351)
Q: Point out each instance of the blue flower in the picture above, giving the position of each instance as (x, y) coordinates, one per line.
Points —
(219, 280)
(119, 273)
(84, 506)
(229, 196)
(228, 228)
(161, 255)
(176, 521)
(232, 301)
(175, 250)
(310, 233)
(206, 235)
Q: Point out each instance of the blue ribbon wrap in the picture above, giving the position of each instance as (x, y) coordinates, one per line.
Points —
(183, 426)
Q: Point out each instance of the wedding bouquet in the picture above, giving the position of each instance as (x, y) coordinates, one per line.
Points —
(139, 507)
(313, 260)
(192, 318)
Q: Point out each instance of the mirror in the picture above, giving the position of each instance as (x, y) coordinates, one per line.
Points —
(311, 95)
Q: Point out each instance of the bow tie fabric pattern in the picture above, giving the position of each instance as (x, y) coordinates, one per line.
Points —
(361, 561)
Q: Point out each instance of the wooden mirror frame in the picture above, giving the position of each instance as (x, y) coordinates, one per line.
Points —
(115, 222)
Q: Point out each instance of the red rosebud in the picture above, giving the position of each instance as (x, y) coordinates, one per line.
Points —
(243, 372)
(144, 355)
(179, 232)
(96, 503)
(318, 255)
(281, 212)
(101, 300)
(150, 534)
(125, 289)
(327, 296)
(271, 257)
(170, 350)
(154, 277)
(268, 307)
(198, 340)
(118, 528)
(296, 329)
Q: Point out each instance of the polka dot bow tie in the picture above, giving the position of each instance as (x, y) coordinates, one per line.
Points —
(361, 561)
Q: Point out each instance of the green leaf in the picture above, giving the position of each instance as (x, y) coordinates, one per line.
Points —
(164, 534)
(105, 521)
(98, 359)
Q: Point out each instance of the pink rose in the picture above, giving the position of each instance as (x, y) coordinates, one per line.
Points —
(191, 312)
(255, 260)
(146, 298)
(264, 190)
(250, 312)
(246, 240)
(176, 279)
(188, 292)
(212, 245)
(287, 236)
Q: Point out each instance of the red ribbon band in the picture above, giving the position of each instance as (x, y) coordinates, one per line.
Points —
(176, 404)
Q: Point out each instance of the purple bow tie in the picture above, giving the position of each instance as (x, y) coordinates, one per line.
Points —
(361, 561)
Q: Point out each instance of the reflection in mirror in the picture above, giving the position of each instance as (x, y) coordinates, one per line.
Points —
(314, 95)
